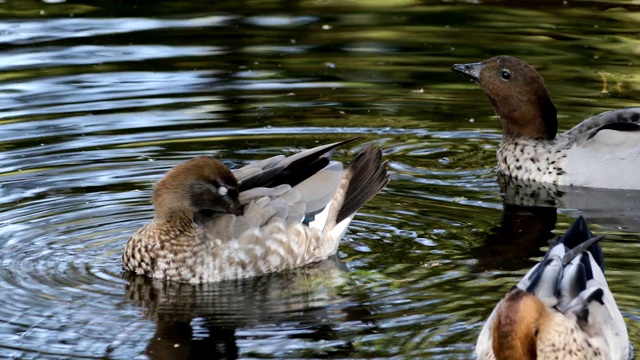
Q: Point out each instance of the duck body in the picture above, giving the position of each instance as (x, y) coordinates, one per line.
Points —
(214, 224)
(561, 309)
(602, 151)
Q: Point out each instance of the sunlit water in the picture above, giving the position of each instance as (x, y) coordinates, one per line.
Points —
(99, 99)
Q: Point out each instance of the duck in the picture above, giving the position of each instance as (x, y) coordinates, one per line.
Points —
(212, 223)
(602, 151)
(561, 309)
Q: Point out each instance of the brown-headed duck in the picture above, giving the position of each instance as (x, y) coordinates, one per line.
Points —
(212, 223)
(602, 151)
(561, 309)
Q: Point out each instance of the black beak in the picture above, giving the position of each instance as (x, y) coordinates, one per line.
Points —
(233, 206)
(227, 207)
(472, 71)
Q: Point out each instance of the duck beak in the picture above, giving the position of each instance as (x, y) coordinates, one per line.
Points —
(233, 206)
(472, 71)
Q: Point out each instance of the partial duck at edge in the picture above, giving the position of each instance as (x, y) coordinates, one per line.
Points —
(561, 309)
(602, 151)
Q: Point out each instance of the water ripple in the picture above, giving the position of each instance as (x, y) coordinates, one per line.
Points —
(31, 32)
(93, 55)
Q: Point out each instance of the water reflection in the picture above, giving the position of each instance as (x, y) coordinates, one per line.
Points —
(521, 233)
(203, 321)
(612, 209)
(530, 214)
(47, 30)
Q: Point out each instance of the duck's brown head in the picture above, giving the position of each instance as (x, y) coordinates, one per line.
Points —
(517, 324)
(518, 95)
(202, 185)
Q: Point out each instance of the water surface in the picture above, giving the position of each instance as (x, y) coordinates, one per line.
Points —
(100, 98)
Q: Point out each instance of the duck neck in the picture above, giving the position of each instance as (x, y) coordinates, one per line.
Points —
(530, 118)
(531, 127)
(177, 218)
(515, 326)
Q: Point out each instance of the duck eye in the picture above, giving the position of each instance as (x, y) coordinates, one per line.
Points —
(227, 191)
(232, 193)
(505, 74)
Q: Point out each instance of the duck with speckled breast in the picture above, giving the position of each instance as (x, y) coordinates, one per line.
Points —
(602, 151)
(213, 224)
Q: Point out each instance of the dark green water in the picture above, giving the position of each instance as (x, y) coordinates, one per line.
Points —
(99, 98)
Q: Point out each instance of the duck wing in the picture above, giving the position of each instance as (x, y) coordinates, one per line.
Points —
(619, 135)
(623, 120)
(289, 170)
(312, 173)
(298, 188)
(606, 155)
(592, 306)
(605, 151)
(279, 227)
(544, 279)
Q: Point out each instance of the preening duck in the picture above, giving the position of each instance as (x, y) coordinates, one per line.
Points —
(212, 223)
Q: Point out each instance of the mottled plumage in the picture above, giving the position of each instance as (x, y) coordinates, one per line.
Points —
(602, 151)
(562, 308)
(214, 224)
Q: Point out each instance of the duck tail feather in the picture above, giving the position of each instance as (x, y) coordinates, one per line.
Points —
(576, 237)
(368, 175)
(574, 281)
(545, 281)
(588, 245)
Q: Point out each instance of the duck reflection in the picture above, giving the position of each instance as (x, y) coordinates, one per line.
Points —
(530, 213)
(200, 321)
(613, 209)
(521, 233)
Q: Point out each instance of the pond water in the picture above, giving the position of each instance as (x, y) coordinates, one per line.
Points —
(99, 98)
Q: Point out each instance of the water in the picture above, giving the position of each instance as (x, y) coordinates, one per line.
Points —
(100, 98)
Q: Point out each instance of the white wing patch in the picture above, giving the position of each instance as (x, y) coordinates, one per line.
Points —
(610, 159)
(617, 144)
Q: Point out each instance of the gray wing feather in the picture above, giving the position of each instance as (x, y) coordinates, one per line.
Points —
(317, 191)
(309, 197)
(263, 169)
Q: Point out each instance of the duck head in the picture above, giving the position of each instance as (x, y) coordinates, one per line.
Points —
(518, 95)
(196, 187)
(517, 325)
